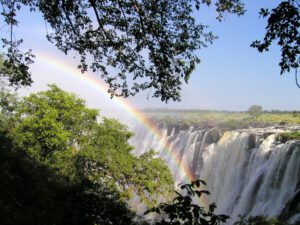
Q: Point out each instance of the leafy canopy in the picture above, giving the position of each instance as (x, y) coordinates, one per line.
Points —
(133, 44)
(33, 193)
(283, 28)
(59, 131)
(139, 45)
(35, 190)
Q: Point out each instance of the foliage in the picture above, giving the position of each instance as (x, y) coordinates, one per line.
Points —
(58, 131)
(71, 185)
(183, 210)
(155, 40)
(213, 136)
(59, 165)
(52, 122)
(31, 193)
(8, 101)
(149, 44)
(222, 120)
(255, 110)
(286, 136)
(233, 124)
(283, 27)
(14, 65)
(259, 220)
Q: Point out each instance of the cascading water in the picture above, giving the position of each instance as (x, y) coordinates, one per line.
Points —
(247, 171)
(257, 181)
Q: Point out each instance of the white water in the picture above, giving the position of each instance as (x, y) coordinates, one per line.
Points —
(247, 180)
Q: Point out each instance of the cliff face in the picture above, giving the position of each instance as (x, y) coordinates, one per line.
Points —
(247, 171)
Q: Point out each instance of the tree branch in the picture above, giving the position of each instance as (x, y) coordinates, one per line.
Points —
(296, 78)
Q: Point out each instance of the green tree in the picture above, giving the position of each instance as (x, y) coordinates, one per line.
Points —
(58, 130)
(32, 193)
(39, 187)
(149, 44)
(255, 110)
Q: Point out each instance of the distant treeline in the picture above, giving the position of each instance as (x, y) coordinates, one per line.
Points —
(167, 110)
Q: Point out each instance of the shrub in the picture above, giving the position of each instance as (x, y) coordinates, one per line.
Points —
(286, 136)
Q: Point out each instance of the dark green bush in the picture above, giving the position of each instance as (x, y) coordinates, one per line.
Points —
(286, 136)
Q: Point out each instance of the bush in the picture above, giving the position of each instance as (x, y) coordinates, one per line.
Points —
(286, 136)
(259, 220)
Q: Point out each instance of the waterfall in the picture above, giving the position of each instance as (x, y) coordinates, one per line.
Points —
(247, 172)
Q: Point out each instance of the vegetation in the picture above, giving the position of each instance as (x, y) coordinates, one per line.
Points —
(286, 136)
(224, 120)
(184, 210)
(149, 44)
(255, 110)
(259, 220)
(283, 27)
(30, 193)
(60, 165)
(56, 158)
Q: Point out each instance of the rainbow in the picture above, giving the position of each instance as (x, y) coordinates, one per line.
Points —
(140, 117)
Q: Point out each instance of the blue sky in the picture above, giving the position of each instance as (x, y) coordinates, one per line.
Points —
(231, 75)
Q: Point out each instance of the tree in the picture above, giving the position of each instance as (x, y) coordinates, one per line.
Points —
(255, 110)
(32, 192)
(283, 27)
(57, 130)
(149, 44)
